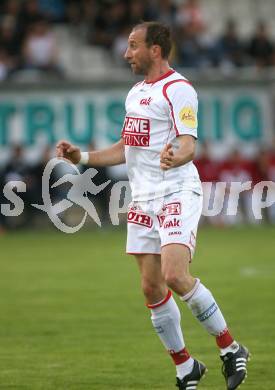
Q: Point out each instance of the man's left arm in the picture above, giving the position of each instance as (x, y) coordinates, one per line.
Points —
(183, 105)
(171, 157)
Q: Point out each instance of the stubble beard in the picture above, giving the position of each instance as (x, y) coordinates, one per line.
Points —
(144, 68)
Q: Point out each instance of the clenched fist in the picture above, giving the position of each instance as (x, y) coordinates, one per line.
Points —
(68, 151)
(167, 157)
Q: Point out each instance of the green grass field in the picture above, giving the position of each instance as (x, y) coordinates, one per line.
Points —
(72, 315)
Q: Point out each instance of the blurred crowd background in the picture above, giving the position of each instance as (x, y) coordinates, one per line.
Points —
(63, 40)
(40, 34)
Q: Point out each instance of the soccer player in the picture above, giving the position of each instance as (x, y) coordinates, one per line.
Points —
(158, 143)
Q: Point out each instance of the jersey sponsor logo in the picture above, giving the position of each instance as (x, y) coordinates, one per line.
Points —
(161, 219)
(169, 209)
(188, 117)
(172, 208)
(139, 219)
(136, 131)
(172, 223)
(146, 102)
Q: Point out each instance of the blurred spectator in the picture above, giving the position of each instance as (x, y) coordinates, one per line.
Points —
(190, 15)
(30, 13)
(90, 8)
(80, 17)
(230, 49)
(192, 50)
(16, 167)
(36, 173)
(108, 23)
(207, 167)
(10, 10)
(53, 9)
(73, 13)
(4, 64)
(193, 45)
(166, 12)
(9, 25)
(261, 48)
(120, 45)
(138, 11)
(40, 49)
(10, 41)
(77, 11)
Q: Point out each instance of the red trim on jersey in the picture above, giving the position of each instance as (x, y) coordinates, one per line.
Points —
(224, 339)
(155, 305)
(167, 74)
(164, 91)
(180, 357)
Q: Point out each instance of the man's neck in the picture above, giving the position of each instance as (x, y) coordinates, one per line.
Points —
(157, 71)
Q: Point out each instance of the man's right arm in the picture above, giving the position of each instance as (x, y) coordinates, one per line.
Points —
(114, 155)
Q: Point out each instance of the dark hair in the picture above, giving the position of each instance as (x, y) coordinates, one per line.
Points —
(157, 34)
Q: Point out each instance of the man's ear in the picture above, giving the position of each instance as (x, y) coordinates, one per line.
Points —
(156, 51)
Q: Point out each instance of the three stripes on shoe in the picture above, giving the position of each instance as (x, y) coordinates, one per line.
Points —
(240, 364)
(192, 385)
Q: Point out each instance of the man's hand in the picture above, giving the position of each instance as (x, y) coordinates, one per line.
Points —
(68, 151)
(167, 157)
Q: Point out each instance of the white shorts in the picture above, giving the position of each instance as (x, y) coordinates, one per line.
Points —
(172, 219)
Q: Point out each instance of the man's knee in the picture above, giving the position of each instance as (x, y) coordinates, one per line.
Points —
(175, 268)
(153, 291)
(172, 278)
(180, 282)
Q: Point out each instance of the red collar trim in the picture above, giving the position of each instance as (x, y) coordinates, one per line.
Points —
(171, 71)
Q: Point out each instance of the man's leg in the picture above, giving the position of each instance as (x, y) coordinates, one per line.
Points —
(175, 268)
(175, 259)
(165, 314)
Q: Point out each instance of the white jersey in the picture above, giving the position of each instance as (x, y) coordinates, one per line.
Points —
(156, 114)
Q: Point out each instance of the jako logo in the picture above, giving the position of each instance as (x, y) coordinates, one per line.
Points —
(146, 102)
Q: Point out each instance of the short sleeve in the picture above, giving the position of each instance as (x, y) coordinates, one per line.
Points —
(183, 103)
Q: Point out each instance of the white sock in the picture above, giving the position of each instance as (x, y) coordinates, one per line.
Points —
(166, 322)
(234, 347)
(205, 309)
(185, 368)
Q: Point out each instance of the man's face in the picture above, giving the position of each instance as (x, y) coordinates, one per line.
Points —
(138, 54)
